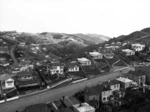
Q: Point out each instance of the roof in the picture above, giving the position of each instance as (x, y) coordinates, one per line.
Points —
(37, 108)
(127, 50)
(82, 59)
(125, 80)
(137, 44)
(28, 83)
(84, 107)
(113, 82)
(71, 65)
(94, 53)
(24, 73)
(4, 77)
(57, 64)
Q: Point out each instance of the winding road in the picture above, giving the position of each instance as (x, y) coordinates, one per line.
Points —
(54, 94)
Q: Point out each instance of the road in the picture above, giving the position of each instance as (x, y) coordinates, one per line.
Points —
(51, 95)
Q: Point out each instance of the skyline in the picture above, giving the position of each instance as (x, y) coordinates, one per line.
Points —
(105, 17)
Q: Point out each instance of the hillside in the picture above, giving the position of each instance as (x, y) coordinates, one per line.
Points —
(57, 45)
(137, 36)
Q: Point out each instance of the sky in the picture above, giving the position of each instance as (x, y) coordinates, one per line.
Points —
(106, 17)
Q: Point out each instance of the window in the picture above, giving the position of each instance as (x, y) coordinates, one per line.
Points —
(104, 98)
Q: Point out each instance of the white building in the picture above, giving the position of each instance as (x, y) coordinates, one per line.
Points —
(73, 67)
(138, 47)
(83, 107)
(108, 55)
(6, 81)
(84, 61)
(125, 82)
(57, 68)
(96, 55)
(128, 52)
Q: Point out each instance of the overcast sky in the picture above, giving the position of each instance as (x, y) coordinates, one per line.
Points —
(106, 17)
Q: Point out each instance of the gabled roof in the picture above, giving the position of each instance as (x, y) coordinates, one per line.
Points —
(71, 65)
(95, 53)
(4, 77)
(82, 59)
(57, 64)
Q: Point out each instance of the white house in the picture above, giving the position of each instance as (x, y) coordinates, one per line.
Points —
(96, 55)
(72, 67)
(114, 85)
(108, 55)
(83, 107)
(125, 82)
(138, 46)
(128, 52)
(84, 61)
(6, 81)
(106, 93)
(57, 68)
(22, 44)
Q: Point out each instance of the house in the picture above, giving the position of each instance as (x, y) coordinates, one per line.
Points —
(83, 107)
(138, 46)
(84, 61)
(114, 85)
(108, 55)
(22, 44)
(109, 48)
(57, 68)
(3, 62)
(138, 76)
(27, 79)
(128, 52)
(96, 55)
(7, 82)
(125, 82)
(73, 67)
(118, 43)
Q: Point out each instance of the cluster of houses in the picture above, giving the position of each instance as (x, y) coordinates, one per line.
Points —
(102, 97)
(66, 104)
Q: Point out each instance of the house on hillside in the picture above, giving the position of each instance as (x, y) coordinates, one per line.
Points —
(109, 55)
(7, 82)
(27, 79)
(128, 52)
(84, 61)
(72, 67)
(110, 48)
(22, 44)
(138, 46)
(96, 55)
(118, 43)
(57, 68)
(125, 82)
(3, 62)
